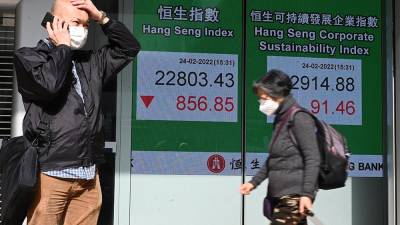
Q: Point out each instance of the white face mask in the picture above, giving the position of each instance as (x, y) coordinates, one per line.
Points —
(268, 107)
(78, 36)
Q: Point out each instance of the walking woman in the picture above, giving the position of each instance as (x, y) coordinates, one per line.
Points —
(292, 169)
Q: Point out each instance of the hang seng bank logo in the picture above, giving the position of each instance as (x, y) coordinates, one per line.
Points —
(216, 163)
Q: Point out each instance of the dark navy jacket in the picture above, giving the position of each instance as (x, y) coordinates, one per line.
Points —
(74, 135)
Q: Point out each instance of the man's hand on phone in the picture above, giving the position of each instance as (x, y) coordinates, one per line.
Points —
(89, 7)
(58, 32)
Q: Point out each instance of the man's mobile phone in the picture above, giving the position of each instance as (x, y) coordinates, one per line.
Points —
(47, 18)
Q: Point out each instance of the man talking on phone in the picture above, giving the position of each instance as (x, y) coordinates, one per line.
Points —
(61, 86)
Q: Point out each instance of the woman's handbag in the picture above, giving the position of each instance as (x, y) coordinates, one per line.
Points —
(268, 208)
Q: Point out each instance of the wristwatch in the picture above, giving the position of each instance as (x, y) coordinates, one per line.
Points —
(103, 18)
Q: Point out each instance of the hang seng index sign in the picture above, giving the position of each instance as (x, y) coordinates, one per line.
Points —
(186, 106)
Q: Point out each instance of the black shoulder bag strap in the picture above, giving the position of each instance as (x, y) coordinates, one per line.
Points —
(41, 129)
(285, 118)
(29, 167)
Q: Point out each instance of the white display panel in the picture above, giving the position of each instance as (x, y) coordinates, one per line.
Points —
(185, 200)
(177, 86)
(330, 88)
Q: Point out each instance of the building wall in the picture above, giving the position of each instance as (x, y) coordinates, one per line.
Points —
(150, 200)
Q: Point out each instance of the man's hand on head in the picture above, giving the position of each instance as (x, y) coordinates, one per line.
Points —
(58, 32)
(89, 7)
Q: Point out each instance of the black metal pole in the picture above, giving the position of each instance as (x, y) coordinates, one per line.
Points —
(244, 51)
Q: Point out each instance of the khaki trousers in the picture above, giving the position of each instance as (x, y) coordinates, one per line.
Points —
(66, 202)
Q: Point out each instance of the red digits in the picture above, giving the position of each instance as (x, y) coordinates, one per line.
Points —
(229, 106)
(346, 107)
(192, 105)
(202, 103)
(218, 106)
(180, 104)
(315, 106)
(325, 104)
(350, 108)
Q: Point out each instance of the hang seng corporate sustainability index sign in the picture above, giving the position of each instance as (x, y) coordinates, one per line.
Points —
(187, 80)
(333, 52)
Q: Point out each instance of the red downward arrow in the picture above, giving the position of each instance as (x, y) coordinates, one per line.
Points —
(147, 100)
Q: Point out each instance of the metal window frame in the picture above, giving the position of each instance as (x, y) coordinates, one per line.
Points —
(122, 194)
(7, 86)
(393, 107)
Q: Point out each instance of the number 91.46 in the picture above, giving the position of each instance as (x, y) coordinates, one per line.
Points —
(324, 107)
